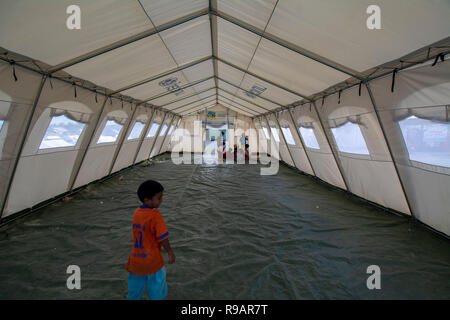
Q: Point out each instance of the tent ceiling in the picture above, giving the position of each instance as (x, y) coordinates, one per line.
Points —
(250, 56)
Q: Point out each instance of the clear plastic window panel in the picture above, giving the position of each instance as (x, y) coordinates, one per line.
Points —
(163, 130)
(110, 132)
(170, 130)
(136, 131)
(309, 138)
(1, 124)
(153, 129)
(349, 139)
(288, 136)
(427, 141)
(62, 132)
(266, 133)
(275, 133)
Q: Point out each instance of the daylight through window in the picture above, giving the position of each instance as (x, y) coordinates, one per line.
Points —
(350, 139)
(153, 129)
(309, 138)
(275, 133)
(62, 132)
(427, 141)
(110, 132)
(163, 130)
(266, 133)
(136, 131)
(288, 136)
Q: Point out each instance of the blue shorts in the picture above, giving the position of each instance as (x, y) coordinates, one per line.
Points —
(156, 285)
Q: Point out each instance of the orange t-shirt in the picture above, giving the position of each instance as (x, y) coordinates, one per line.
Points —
(149, 229)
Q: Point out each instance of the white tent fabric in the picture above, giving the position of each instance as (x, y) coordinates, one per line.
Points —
(425, 91)
(344, 101)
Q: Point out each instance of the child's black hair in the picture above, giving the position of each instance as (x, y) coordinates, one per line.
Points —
(148, 189)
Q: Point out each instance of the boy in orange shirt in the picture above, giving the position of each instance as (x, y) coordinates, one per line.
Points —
(146, 264)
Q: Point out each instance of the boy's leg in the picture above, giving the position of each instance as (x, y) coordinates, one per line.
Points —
(157, 285)
(136, 286)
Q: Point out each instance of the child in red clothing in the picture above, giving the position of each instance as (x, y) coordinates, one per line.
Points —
(146, 264)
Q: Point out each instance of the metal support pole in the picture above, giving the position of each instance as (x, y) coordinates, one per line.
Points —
(156, 136)
(372, 99)
(22, 144)
(143, 136)
(122, 139)
(338, 163)
(301, 141)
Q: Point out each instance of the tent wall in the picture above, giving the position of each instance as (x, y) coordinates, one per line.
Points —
(16, 101)
(167, 145)
(99, 156)
(284, 153)
(322, 159)
(297, 151)
(371, 176)
(160, 138)
(54, 165)
(148, 142)
(130, 146)
(263, 142)
(423, 92)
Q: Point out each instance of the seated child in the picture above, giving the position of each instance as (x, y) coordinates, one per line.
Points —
(146, 264)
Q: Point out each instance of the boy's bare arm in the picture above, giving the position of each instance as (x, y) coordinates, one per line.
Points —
(165, 243)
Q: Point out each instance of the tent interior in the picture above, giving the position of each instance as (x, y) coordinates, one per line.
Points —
(355, 119)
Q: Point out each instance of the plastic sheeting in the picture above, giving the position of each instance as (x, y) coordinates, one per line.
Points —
(286, 237)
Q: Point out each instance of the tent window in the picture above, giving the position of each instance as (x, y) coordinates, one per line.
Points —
(136, 131)
(266, 133)
(110, 132)
(427, 141)
(62, 132)
(275, 133)
(309, 138)
(153, 129)
(170, 130)
(163, 130)
(349, 139)
(288, 136)
(1, 124)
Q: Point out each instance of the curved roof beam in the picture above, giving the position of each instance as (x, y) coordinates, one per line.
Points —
(236, 109)
(196, 101)
(187, 97)
(288, 45)
(206, 104)
(164, 74)
(128, 40)
(214, 43)
(180, 88)
(252, 103)
(236, 86)
(247, 109)
(261, 78)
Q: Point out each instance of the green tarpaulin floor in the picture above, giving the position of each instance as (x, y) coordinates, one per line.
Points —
(236, 235)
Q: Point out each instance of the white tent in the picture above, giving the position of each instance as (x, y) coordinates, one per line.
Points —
(365, 110)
